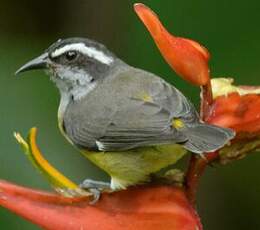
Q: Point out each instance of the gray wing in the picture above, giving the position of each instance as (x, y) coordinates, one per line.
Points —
(141, 124)
(134, 109)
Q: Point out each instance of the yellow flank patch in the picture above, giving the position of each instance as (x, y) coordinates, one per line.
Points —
(177, 123)
(145, 97)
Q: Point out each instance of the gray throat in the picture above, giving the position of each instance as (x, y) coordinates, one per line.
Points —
(71, 92)
(77, 88)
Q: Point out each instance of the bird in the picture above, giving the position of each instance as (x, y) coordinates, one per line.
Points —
(129, 122)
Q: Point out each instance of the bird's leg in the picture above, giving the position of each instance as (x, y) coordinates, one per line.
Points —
(96, 188)
(88, 183)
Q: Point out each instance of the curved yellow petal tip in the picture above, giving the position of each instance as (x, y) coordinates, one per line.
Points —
(56, 179)
(20, 140)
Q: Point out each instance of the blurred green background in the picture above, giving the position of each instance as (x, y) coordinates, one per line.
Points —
(229, 196)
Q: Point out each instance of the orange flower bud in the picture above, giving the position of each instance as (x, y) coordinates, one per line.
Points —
(188, 58)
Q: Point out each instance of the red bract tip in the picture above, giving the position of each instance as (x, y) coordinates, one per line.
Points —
(188, 58)
(140, 208)
(236, 107)
(239, 112)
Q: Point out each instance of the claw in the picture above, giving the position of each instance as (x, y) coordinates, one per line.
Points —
(95, 188)
(96, 195)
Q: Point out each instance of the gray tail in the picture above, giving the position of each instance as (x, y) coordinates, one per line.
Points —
(203, 138)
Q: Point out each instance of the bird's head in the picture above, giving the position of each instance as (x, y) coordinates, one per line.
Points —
(73, 62)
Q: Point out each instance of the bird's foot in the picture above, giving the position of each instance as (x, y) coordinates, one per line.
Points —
(95, 187)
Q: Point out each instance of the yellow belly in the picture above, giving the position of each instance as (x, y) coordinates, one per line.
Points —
(135, 166)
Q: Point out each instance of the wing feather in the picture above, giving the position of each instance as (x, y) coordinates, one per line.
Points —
(122, 119)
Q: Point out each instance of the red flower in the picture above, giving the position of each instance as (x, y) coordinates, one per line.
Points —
(143, 208)
(235, 107)
(140, 208)
(222, 103)
(226, 106)
(188, 58)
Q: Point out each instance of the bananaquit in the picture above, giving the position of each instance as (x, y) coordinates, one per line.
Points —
(129, 122)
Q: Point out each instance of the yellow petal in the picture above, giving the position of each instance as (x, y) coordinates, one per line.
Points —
(56, 179)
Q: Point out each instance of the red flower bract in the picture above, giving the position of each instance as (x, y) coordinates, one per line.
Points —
(239, 112)
(188, 58)
(153, 208)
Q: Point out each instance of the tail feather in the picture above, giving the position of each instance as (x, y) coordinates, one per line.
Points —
(207, 138)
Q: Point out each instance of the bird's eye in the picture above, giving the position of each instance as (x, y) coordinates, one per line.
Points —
(71, 55)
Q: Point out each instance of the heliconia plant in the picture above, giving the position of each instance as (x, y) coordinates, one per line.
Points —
(156, 205)
(153, 206)
(188, 58)
(145, 208)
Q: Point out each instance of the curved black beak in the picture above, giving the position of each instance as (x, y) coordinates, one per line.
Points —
(37, 63)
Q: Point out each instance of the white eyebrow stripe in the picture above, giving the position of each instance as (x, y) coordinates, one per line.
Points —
(90, 51)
